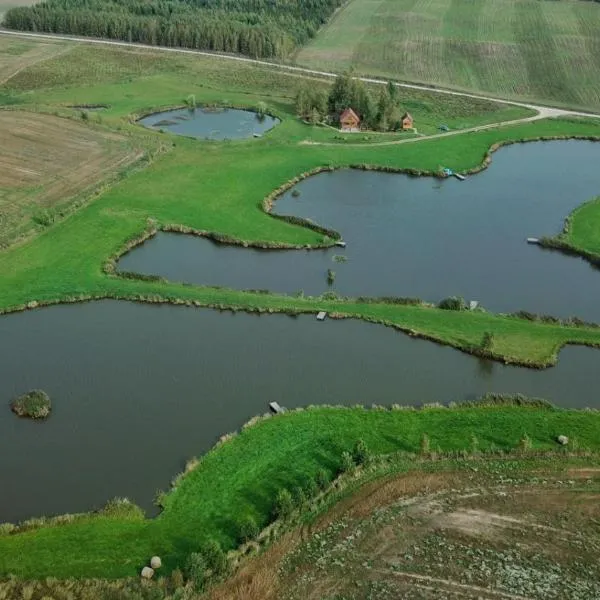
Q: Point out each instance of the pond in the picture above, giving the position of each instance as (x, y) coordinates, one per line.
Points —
(211, 123)
(138, 389)
(420, 237)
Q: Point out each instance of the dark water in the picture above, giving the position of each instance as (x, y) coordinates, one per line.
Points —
(220, 124)
(138, 389)
(421, 237)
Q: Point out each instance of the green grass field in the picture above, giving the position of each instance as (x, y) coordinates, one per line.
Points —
(529, 49)
(240, 478)
(65, 260)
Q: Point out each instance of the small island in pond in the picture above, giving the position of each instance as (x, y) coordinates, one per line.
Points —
(33, 405)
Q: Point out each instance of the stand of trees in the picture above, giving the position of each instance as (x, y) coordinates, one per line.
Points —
(257, 28)
(382, 114)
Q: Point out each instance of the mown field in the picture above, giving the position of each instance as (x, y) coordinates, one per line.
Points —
(46, 162)
(538, 50)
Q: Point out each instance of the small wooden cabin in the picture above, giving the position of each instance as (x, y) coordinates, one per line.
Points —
(407, 121)
(349, 121)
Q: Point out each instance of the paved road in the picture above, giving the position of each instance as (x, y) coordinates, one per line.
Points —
(543, 111)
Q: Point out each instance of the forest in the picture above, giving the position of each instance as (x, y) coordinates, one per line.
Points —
(256, 28)
(383, 114)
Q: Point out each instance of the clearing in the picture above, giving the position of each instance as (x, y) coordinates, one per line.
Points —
(45, 162)
(544, 51)
(490, 531)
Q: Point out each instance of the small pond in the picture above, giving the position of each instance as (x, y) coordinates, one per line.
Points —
(138, 389)
(211, 124)
(421, 237)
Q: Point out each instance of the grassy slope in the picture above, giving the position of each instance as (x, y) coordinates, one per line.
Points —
(239, 478)
(547, 51)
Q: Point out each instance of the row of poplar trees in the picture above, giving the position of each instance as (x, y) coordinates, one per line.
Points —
(256, 28)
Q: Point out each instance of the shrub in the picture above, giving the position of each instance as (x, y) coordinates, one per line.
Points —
(35, 405)
(453, 303)
(360, 453)
(322, 479)
(312, 487)
(488, 341)
(347, 462)
(299, 496)
(284, 504)
(248, 529)
(190, 101)
(196, 570)
(177, 580)
(215, 558)
(330, 276)
(425, 444)
(474, 444)
(525, 443)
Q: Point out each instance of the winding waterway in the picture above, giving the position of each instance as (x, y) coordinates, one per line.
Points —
(138, 389)
(211, 124)
(421, 237)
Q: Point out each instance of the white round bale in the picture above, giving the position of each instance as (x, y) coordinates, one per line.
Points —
(563, 440)
(155, 562)
(147, 573)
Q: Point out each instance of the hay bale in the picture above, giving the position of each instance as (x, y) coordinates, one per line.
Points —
(155, 562)
(147, 573)
(563, 440)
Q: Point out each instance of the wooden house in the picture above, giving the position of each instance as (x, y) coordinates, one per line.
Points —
(349, 121)
(407, 121)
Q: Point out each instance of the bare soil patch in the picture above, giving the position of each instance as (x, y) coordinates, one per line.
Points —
(46, 162)
(447, 535)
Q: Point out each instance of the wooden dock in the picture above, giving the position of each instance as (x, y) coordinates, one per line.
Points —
(321, 315)
(276, 408)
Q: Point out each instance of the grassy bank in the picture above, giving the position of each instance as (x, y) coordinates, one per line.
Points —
(581, 233)
(242, 476)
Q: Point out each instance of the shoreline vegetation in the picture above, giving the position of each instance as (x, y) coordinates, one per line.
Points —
(206, 503)
(34, 405)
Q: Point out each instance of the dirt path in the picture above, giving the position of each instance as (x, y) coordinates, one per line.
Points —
(543, 111)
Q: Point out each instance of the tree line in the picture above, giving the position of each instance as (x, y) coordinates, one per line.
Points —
(256, 28)
(383, 113)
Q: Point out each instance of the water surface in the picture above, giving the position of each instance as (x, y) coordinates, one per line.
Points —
(211, 124)
(139, 389)
(421, 237)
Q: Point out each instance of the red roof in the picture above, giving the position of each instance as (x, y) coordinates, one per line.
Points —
(349, 115)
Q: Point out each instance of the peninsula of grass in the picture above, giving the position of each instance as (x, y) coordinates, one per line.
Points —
(581, 233)
(241, 477)
(33, 405)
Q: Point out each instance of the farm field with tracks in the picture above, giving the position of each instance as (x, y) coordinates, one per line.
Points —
(545, 51)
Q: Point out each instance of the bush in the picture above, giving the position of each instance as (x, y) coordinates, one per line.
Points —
(525, 443)
(34, 405)
(453, 303)
(425, 444)
(347, 462)
(284, 504)
(330, 276)
(215, 558)
(248, 529)
(360, 453)
(488, 341)
(322, 479)
(196, 570)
